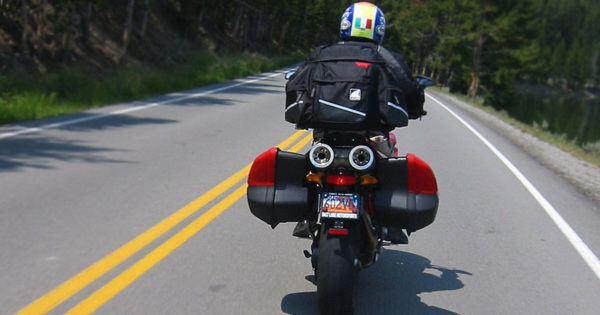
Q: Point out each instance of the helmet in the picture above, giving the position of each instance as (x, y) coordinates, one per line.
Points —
(363, 20)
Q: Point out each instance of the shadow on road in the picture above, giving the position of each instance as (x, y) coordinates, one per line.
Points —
(198, 97)
(37, 150)
(208, 100)
(391, 286)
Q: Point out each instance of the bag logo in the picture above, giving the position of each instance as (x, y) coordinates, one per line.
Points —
(355, 94)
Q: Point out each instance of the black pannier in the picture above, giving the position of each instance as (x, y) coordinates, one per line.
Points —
(395, 206)
(282, 196)
(345, 87)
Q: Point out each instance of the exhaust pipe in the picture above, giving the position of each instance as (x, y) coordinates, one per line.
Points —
(321, 155)
(361, 157)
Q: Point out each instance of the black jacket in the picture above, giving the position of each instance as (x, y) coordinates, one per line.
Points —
(396, 64)
(353, 85)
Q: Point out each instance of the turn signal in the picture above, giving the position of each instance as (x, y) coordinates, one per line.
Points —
(314, 178)
(368, 180)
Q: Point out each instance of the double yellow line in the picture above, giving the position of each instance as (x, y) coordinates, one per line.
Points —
(72, 286)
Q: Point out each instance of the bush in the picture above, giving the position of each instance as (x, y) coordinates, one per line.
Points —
(592, 148)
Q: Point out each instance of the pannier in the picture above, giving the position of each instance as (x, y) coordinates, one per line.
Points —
(407, 196)
(276, 191)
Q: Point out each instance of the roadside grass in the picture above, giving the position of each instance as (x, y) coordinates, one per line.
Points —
(33, 96)
(589, 152)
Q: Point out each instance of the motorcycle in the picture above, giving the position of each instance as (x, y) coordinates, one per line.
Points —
(349, 199)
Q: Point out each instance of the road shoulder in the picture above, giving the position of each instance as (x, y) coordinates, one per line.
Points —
(585, 176)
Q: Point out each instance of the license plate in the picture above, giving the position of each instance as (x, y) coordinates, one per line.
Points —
(339, 206)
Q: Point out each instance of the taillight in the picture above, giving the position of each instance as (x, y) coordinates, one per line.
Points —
(421, 179)
(262, 172)
(341, 180)
(338, 232)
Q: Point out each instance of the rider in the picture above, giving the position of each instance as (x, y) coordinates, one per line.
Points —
(363, 23)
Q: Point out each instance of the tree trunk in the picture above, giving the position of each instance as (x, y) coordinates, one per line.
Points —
(66, 44)
(238, 21)
(24, 35)
(199, 20)
(84, 25)
(284, 29)
(40, 36)
(145, 18)
(246, 31)
(127, 29)
(474, 84)
(587, 115)
(595, 61)
(259, 26)
(476, 72)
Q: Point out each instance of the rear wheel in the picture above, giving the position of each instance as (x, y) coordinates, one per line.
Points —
(336, 273)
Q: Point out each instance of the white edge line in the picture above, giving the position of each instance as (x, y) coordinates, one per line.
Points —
(133, 109)
(584, 251)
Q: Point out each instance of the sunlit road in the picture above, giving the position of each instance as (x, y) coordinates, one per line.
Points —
(140, 209)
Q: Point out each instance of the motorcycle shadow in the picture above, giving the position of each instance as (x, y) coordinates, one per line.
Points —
(391, 286)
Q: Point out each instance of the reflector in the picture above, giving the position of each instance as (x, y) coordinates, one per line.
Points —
(421, 179)
(262, 172)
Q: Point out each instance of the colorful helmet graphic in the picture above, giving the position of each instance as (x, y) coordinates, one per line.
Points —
(363, 20)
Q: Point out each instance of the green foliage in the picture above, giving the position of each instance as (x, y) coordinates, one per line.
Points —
(71, 90)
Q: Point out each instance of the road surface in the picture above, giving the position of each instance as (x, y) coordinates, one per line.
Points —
(139, 208)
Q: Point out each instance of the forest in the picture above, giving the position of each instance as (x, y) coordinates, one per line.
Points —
(507, 52)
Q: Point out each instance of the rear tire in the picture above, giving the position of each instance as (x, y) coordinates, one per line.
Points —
(336, 273)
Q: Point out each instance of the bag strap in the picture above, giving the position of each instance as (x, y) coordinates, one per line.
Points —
(347, 58)
(316, 55)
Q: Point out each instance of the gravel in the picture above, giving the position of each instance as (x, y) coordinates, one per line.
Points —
(585, 176)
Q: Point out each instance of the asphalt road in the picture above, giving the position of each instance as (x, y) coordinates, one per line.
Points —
(139, 209)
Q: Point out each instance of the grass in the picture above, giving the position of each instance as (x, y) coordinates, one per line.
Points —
(589, 152)
(33, 96)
